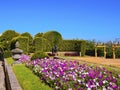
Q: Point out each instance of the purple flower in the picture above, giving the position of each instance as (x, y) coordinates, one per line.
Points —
(24, 58)
(114, 86)
(79, 89)
(119, 75)
(68, 75)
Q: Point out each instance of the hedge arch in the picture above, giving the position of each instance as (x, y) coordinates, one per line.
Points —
(24, 43)
(53, 37)
(41, 44)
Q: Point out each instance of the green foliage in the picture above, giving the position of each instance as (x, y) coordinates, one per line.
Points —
(73, 45)
(38, 44)
(28, 80)
(109, 53)
(6, 38)
(7, 53)
(117, 52)
(31, 49)
(83, 48)
(26, 34)
(8, 35)
(38, 35)
(41, 44)
(24, 43)
(46, 45)
(39, 55)
(53, 37)
(90, 48)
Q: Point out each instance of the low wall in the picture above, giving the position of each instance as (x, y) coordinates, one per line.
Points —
(11, 80)
(67, 52)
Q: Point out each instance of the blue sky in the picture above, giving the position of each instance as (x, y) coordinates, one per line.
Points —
(74, 19)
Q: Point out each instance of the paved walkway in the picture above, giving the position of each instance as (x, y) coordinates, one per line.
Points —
(2, 77)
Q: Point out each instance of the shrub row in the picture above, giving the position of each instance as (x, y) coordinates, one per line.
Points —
(73, 45)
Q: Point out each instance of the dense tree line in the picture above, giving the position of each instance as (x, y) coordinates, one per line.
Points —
(40, 42)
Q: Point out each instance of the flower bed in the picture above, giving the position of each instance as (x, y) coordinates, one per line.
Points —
(68, 75)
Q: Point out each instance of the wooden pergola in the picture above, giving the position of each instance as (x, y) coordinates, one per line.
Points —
(100, 46)
(114, 46)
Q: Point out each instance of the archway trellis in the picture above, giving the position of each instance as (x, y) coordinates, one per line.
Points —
(114, 46)
(100, 46)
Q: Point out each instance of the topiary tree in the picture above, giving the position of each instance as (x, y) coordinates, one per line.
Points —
(53, 37)
(41, 44)
(26, 34)
(6, 37)
(24, 43)
(38, 35)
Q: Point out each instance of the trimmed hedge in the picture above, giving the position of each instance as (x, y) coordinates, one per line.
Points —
(26, 34)
(73, 45)
(39, 55)
(38, 44)
(41, 44)
(24, 43)
(53, 37)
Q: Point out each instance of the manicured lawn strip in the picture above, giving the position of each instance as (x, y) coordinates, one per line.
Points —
(28, 80)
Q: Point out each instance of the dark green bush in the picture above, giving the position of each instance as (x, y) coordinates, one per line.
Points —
(38, 35)
(31, 49)
(90, 48)
(6, 38)
(39, 55)
(26, 34)
(73, 45)
(41, 44)
(24, 43)
(53, 37)
(38, 44)
(83, 48)
(7, 54)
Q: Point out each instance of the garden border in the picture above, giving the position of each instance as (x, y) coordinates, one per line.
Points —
(11, 80)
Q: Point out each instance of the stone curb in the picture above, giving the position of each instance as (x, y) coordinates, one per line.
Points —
(11, 80)
(2, 77)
